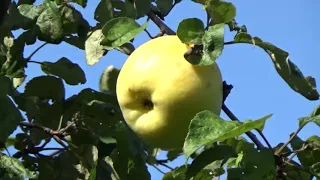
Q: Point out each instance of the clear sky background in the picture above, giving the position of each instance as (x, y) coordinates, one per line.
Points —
(258, 89)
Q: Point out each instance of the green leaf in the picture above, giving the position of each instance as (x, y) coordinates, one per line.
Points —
(164, 6)
(10, 116)
(220, 11)
(24, 16)
(177, 174)
(206, 127)
(9, 142)
(13, 169)
(290, 73)
(129, 157)
(18, 81)
(307, 155)
(121, 30)
(93, 49)
(213, 44)
(46, 87)
(6, 86)
(101, 118)
(104, 11)
(314, 117)
(49, 24)
(73, 21)
(142, 7)
(173, 154)
(294, 173)
(105, 170)
(239, 144)
(87, 95)
(124, 9)
(191, 31)
(75, 41)
(315, 169)
(65, 69)
(108, 79)
(66, 166)
(14, 64)
(82, 3)
(208, 156)
(254, 164)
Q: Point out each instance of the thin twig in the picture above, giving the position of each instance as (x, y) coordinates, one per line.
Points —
(36, 62)
(35, 51)
(286, 144)
(264, 138)
(163, 27)
(165, 165)
(158, 169)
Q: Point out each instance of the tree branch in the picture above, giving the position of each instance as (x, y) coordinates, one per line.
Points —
(163, 27)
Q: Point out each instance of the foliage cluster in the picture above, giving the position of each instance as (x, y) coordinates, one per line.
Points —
(95, 143)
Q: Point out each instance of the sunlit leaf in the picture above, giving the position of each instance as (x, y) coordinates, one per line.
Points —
(12, 168)
(206, 127)
(93, 49)
(120, 30)
(220, 11)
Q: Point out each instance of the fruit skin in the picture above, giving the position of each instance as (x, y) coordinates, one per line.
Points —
(157, 72)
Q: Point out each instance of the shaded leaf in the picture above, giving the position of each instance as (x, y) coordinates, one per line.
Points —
(315, 169)
(104, 11)
(75, 41)
(124, 9)
(306, 154)
(93, 49)
(208, 156)
(108, 79)
(73, 21)
(254, 164)
(13, 169)
(105, 170)
(290, 73)
(164, 6)
(177, 174)
(142, 7)
(10, 116)
(191, 31)
(82, 3)
(206, 127)
(23, 16)
(5, 86)
(26, 1)
(45, 87)
(65, 69)
(49, 24)
(121, 30)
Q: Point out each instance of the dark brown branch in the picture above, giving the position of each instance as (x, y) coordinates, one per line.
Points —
(163, 27)
(252, 136)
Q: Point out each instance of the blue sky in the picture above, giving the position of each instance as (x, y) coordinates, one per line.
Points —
(258, 89)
